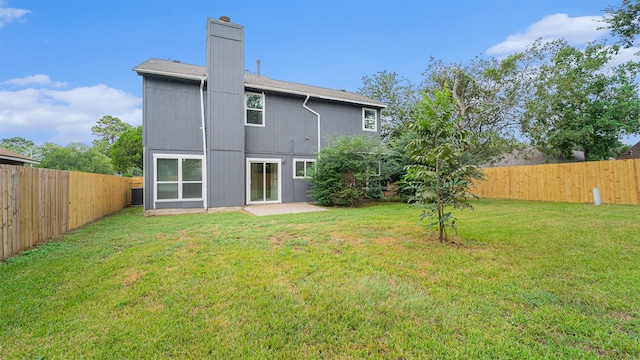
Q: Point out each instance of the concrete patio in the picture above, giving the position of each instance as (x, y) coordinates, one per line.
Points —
(280, 209)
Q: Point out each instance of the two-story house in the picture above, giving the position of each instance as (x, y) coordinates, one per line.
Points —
(216, 136)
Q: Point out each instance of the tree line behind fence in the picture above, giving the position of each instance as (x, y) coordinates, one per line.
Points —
(41, 204)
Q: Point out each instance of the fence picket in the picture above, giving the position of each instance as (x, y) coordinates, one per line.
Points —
(40, 204)
(618, 181)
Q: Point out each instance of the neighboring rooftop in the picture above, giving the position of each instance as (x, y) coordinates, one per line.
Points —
(632, 153)
(260, 82)
(532, 156)
(11, 157)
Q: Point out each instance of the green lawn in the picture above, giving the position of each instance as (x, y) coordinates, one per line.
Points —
(523, 280)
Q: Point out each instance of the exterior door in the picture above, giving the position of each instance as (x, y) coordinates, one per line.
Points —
(263, 181)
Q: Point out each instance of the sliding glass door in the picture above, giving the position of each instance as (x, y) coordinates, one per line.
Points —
(263, 177)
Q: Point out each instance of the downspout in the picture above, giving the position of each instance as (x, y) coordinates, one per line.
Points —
(204, 146)
(304, 105)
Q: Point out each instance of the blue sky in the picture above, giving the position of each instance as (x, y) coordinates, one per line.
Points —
(65, 64)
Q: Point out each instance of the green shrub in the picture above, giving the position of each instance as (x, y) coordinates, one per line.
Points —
(347, 171)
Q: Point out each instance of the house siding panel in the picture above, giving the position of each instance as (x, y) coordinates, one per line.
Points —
(301, 191)
(341, 119)
(226, 178)
(172, 115)
(225, 94)
(172, 122)
(291, 132)
(225, 130)
(289, 128)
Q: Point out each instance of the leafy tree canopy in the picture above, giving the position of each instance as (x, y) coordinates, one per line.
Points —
(20, 145)
(623, 21)
(107, 130)
(580, 103)
(487, 95)
(74, 157)
(398, 93)
(127, 152)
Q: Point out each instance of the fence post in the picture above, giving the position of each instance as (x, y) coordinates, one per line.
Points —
(596, 196)
(17, 244)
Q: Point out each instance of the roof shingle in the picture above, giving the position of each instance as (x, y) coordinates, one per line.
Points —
(14, 156)
(196, 72)
(632, 153)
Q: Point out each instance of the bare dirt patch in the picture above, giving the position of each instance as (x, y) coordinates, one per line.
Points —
(133, 277)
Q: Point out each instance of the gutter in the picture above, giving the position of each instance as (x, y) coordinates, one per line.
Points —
(170, 74)
(259, 87)
(22, 160)
(287, 91)
(204, 145)
(304, 105)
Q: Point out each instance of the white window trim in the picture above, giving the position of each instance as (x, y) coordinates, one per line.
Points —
(179, 157)
(305, 161)
(375, 129)
(248, 176)
(264, 105)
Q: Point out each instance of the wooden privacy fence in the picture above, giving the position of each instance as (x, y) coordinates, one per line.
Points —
(618, 181)
(40, 204)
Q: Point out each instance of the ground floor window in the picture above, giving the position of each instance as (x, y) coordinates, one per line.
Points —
(302, 168)
(178, 177)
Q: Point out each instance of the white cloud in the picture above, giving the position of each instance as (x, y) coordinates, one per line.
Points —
(625, 55)
(38, 79)
(8, 14)
(44, 114)
(576, 30)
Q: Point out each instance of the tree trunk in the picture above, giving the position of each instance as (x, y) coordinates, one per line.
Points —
(441, 223)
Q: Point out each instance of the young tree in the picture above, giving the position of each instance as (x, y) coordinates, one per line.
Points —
(439, 176)
(127, 152)
(345, 170)
(582, 104)
(108, 129)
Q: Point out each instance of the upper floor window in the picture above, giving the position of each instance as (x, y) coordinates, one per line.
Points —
(369, 119)
(254, 106)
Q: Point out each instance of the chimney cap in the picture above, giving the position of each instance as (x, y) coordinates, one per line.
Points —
(225, 18)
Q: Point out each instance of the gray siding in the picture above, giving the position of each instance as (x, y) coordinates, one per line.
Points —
(172, 115)
(291, 132)
(340, 119)
(289, 128)
(225, 130)
(225, 96)
(225, 171)
(172, 125)
(301, 190)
